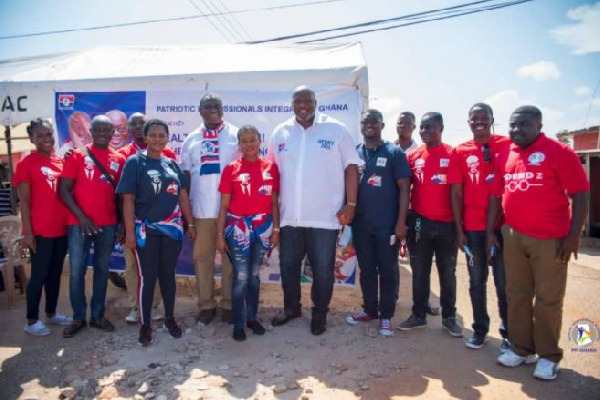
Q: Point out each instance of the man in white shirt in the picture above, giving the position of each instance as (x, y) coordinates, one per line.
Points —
(204, 155)
(405, 127)
(317, 162)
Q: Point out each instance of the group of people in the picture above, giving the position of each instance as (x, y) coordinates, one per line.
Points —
(503, 201)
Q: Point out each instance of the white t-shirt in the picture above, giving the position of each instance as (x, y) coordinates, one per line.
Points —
(312, 164)
(204, 189)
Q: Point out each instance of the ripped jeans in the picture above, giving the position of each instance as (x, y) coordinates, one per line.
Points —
(246, 280)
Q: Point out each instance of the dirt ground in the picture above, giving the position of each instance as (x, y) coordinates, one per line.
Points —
(288, 362)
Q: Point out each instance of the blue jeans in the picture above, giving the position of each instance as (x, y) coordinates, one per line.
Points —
(79, 248)
(478, 275)
(245, 288)
(434, 238)
(378, 261)
(319, 244)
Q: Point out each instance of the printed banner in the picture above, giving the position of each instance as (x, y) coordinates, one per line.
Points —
(265, 110)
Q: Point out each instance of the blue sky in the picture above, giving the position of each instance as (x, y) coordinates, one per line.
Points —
(545, 52)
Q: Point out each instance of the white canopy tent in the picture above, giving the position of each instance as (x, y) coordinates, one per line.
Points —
(28, 86)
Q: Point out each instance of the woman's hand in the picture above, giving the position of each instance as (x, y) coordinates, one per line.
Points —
(221, 245)
(274, 239)
(130, 241)
(29, 241)
(191, 232)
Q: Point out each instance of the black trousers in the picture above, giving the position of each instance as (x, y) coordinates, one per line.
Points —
(46, 270)
(426, 238)
(156, 260)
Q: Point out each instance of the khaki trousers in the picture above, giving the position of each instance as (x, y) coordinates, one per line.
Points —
(131, 279)
(204, 265)
(535, 289)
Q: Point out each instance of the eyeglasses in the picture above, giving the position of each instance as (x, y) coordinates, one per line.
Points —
(487, 155)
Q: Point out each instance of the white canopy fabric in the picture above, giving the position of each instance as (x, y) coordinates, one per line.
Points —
(27, 86)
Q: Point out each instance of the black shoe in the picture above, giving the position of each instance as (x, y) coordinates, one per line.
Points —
(75, 327)
(102, 324)
(206, 316)
(171, 326)
(317, 325)
(284, 318)
(239, 335)
(145, 337)
(255, 327)
(476, 341)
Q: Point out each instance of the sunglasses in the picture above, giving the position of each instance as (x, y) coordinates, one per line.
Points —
(487, 155)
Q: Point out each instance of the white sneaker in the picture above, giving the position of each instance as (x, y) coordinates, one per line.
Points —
(37, 329)
(545, 369)
(511, 359)
(133, 316)
(59, 319)
(385, 328)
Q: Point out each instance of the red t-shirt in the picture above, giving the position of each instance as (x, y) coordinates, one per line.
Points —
(133, 148)
(41, 173)
(468, 167)
(251, 186)
(430, 192)
(94, 194)
(535, 183)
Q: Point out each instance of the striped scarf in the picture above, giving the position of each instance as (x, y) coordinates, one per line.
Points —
(209, 153)
(172, 226)
(241, 231)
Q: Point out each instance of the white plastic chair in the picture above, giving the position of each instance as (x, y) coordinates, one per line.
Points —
(10, 240)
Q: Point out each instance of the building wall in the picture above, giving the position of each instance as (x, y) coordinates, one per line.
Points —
(585, 141)
(595, 190)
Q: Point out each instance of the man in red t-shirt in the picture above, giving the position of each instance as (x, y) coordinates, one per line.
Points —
(471, 176)
(430, 226)
(135, 126)
(535, 178)
(88, 191)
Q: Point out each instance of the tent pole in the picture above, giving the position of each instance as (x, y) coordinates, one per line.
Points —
(10, 169)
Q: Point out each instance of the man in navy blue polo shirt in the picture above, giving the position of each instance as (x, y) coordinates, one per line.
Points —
(380, 222)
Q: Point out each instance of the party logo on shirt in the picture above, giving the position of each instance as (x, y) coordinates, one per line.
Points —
(281, 148)
(172, 188)
(267, 176)
(381, 161)
(489, 178)
(439, 179)
(326, 144)
(50, 177)
(473, 167)
(114, 166)
(374, 180)
(444, 162)
(266, 190)
(536, 158)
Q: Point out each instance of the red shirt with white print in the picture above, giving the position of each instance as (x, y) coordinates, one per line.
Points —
(535, 183)
(93, 193)
(133, 148)
(251, 186)
(469, 168)
(41, 173)
(430, 192)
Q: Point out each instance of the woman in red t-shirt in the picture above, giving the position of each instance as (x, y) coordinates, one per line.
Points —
(44, 220)
(248, 226)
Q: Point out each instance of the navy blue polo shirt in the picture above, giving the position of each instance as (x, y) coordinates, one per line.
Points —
(156, 185)
(377, 203)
